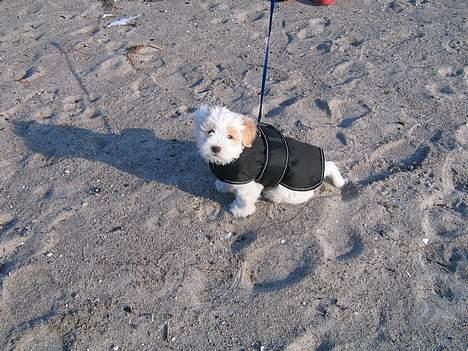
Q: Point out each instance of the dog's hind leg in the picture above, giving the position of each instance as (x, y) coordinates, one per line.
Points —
(280, 194)
(332, 172)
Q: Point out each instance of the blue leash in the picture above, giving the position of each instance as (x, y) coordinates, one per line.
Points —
(265, 65)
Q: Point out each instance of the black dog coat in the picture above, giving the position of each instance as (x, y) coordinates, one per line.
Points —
(274, 159)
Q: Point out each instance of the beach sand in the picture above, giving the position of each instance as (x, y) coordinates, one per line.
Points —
(112, 236)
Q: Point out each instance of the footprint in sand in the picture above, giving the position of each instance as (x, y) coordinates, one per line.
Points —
(239, 16)
(339, 244)
(201, 86)
(115, 65)
(451, 71)
(351, 113)
(251, 78)
(461, 136)
(419, 3)
(9, 241)
(146, 86)
(73, 106)
(214, 5)
(282, 106)
(140, 56)
(274, 265)
(447, 222)
(440, 90)
(108, 5)
(91, 30)
(457, 44)
(194, 288)
(392, 158)
(201, 78)
(355, 248)
(408, 159)
(6, 220)
(76, 106)
(175, 80)
(348, 72)
(445, 214)
(460, 178)
(450, 82)
(278, 266)
(313, 28)
(346, 113)
(394, 7)
(445, 217)
(28, 301)
(31, 75)
(38, 337)
(35, 29)
(243, 241)
(341, 44)
(443, 283)
(176, 75)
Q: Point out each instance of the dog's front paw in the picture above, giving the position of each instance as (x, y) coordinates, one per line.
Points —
(241, 212)
(223, 187)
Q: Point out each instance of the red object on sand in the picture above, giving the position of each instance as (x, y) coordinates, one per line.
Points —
(324, 2)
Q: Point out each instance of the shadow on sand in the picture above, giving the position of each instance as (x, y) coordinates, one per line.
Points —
(135, 151)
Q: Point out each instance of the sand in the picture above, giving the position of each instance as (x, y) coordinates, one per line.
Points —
(112, 236)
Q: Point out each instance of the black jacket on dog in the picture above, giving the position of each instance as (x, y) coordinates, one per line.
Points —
(274, 159)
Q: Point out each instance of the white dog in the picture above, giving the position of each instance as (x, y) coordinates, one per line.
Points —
(225, 138)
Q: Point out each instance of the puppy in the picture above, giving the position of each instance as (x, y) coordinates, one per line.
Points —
(251, 160)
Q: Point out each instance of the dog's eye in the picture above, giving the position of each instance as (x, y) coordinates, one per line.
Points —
(230, 137)
(211, 132)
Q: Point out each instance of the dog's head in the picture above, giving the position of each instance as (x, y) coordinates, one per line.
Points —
(221, 134)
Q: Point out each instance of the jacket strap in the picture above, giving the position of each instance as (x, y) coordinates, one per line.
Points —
(277, 156)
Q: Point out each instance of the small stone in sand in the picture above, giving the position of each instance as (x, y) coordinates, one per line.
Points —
(49, 254)
(283, 241)
(425, 241)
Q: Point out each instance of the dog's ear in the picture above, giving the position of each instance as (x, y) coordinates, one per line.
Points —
(249, 132)
(201, 114)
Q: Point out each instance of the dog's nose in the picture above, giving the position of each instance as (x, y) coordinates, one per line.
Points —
(215, 149)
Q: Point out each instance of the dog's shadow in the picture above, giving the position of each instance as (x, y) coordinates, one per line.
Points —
(135, 151)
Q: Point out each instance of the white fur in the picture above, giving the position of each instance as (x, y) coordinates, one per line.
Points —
(282, 194)
(332, 172)
(218, 119)
(246, 197)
